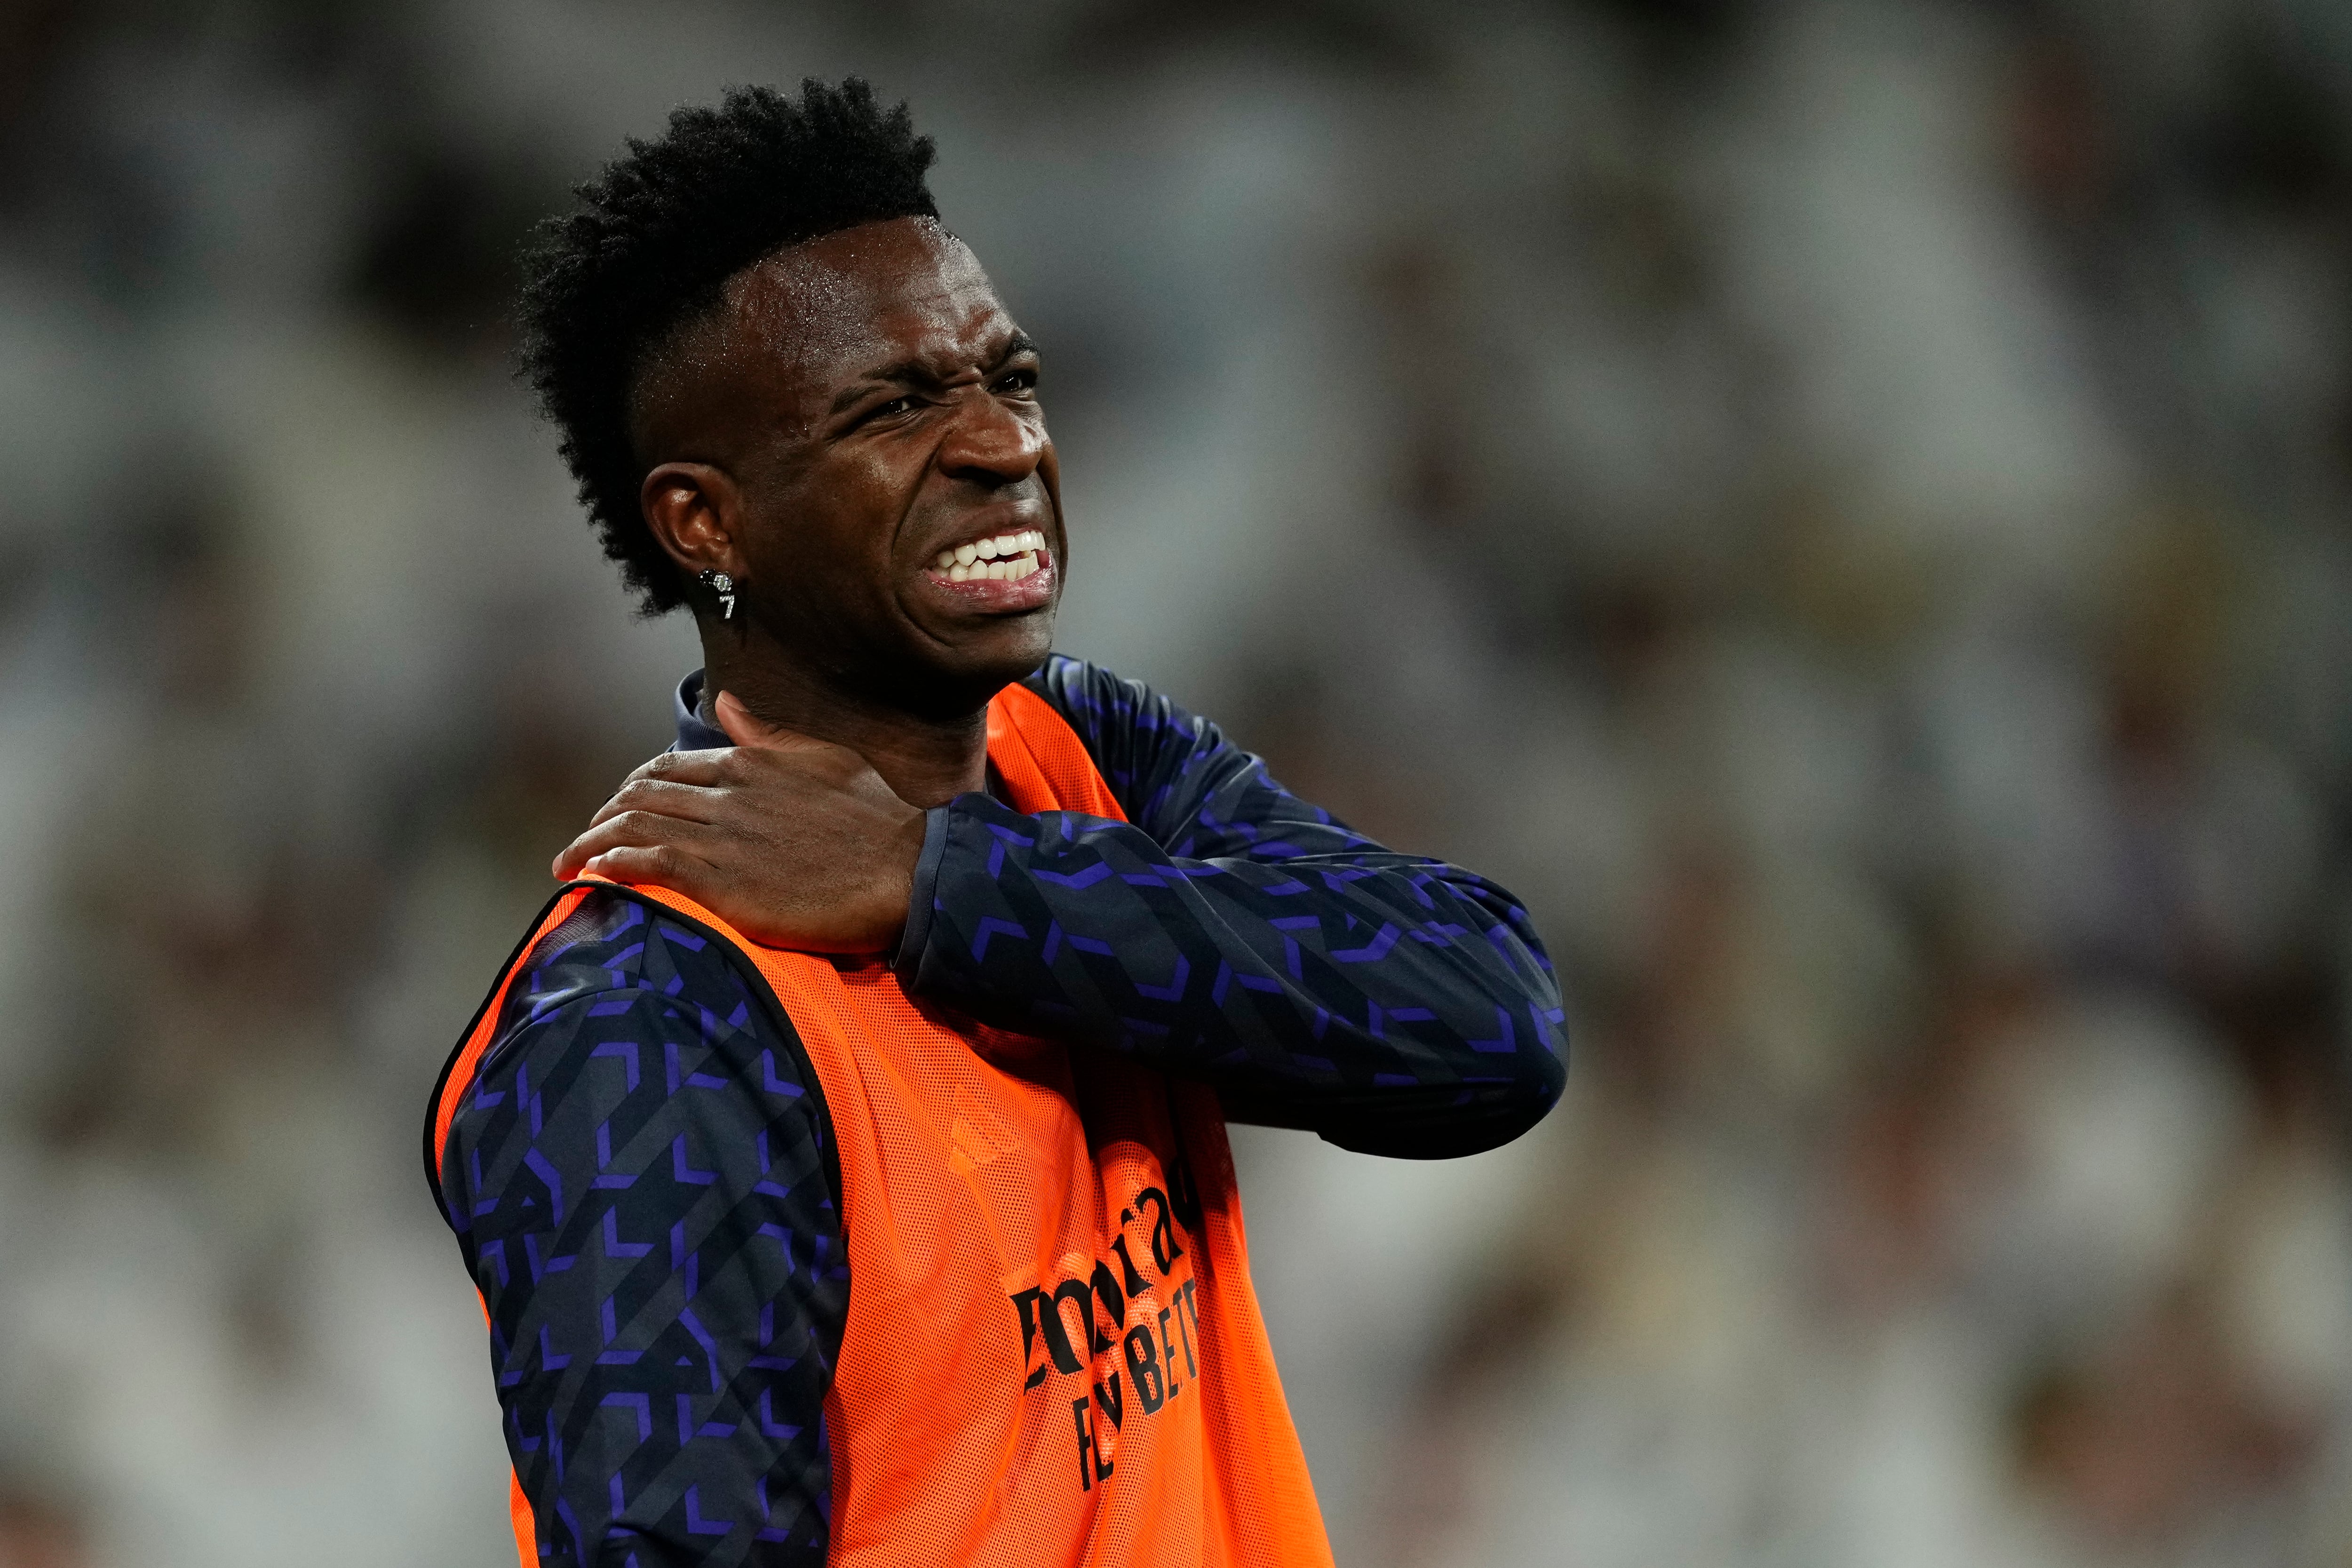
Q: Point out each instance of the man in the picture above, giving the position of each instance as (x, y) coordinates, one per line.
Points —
(841, 1158)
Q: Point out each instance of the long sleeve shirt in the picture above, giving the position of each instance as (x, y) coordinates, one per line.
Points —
(641, 1186)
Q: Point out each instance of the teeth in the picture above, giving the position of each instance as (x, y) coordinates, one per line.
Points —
(1007, 558)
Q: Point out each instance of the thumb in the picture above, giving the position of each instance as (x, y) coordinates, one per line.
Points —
(745, 729)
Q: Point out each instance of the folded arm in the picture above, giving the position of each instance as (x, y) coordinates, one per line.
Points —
(1231, 933)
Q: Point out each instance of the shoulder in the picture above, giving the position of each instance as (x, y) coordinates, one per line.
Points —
(1089, 696)
(618, 954)
(1139, 736)
(618, 950)
(1083, 692)
(1180, 778)
(623, 989)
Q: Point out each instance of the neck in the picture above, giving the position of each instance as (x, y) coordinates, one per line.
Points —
(926, 760)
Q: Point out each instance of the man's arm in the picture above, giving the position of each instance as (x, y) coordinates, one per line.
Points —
(1233, 933)
(637, 1182)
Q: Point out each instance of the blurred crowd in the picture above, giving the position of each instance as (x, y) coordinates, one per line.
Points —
(1846, 508)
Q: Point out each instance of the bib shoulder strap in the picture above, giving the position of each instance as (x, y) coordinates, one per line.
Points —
(464, 1063)
(1043, 765)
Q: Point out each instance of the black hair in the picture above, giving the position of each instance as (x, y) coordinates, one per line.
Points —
(652, 244)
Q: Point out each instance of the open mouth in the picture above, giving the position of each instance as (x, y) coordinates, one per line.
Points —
(1006, 558)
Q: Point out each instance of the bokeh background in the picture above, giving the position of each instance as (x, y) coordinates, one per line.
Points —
(1846, 508)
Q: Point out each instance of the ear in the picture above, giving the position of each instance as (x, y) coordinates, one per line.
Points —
(695, 512)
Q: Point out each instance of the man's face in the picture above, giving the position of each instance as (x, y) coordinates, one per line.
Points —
(876, 409)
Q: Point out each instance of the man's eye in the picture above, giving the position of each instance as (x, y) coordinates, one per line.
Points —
(1017, 381)
(896, 406)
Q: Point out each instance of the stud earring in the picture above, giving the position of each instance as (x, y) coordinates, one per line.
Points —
(721, 583)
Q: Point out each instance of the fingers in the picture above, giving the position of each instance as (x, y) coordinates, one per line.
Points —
(629, 829)
(662, 865)
(685, 767)
(662, 797)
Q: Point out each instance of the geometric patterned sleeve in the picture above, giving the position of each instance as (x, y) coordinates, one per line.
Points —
(1231, 933)
(639, 1182)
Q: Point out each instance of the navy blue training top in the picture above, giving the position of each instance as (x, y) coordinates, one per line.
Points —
(639, 1177)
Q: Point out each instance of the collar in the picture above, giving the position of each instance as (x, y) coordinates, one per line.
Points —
(695, 733)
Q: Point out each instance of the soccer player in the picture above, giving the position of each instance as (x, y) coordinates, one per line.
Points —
(841, 1157)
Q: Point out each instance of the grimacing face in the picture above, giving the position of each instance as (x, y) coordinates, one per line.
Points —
(855, 439)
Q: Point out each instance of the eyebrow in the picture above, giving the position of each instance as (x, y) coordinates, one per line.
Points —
(912, 372)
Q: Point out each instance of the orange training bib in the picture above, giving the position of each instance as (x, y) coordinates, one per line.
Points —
(1053, 1353)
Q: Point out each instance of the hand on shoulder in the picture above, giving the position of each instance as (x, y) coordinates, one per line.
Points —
(795, 842)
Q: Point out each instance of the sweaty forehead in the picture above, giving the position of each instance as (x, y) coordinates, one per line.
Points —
(846, 303)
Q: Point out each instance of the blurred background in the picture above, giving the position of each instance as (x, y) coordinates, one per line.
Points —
(1846, 508)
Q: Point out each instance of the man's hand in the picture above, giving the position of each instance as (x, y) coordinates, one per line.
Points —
(795, 842)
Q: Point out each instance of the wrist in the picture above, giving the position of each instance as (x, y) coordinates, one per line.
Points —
(917, 930)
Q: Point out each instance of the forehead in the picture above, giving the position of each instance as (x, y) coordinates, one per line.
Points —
(847, 302)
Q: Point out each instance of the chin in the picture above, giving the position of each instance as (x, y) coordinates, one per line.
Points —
(1008, 658)
(943, 683)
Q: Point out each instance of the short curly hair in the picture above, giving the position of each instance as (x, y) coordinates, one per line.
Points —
(651, 245)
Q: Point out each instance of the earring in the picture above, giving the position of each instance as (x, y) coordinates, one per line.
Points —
(724, 585)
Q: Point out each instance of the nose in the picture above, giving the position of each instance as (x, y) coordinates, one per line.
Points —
(992, 443)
